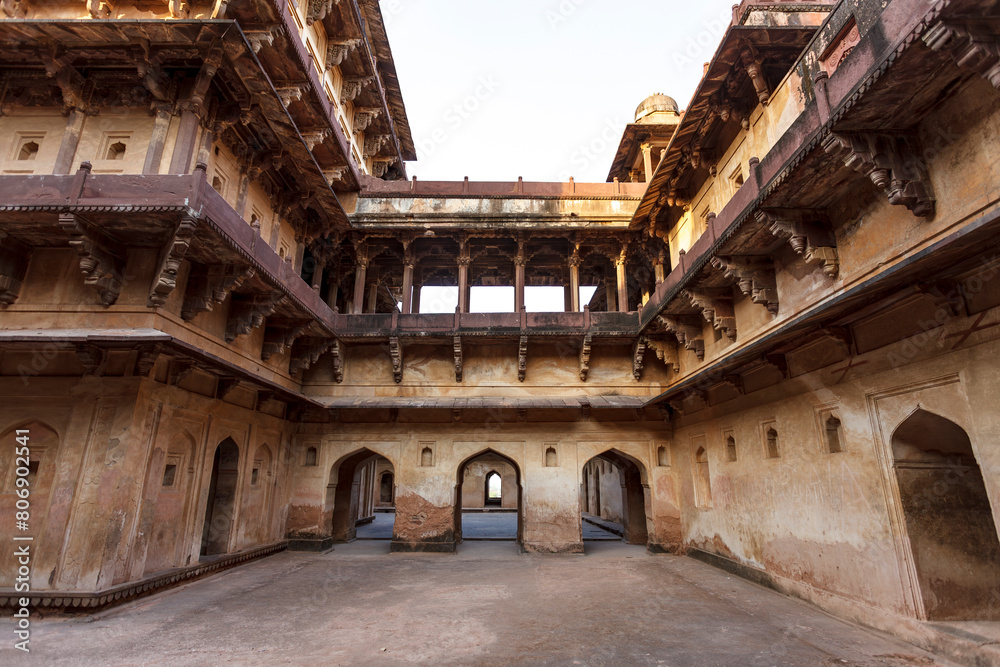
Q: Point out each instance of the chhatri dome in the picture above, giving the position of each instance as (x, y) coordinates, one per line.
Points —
(654, 104)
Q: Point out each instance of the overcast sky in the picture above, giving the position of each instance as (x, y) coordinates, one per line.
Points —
(496, 89)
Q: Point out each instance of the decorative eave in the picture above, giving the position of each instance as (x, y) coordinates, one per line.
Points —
(775, 45)
(628, 146)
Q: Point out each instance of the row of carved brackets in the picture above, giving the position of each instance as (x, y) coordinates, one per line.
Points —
(716, 307)
(103, 266)
(247, 312)
(809, 234)
(894, 163)
(972, 45)
(688, 333)
(754, 276)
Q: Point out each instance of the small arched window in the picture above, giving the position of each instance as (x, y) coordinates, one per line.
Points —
(551, 460)
(833, 440)
(772, 443)
(731, 448)
(494, 488)
(426, 457)
(702, 479)
(29, 151)
(310, 456)
(116, 151)
(662, 456)
(385, 487)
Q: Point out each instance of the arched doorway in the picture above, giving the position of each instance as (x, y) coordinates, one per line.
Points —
(480, 515)
(221, 506)
(613, 498)
(953, 539)
(362, 494)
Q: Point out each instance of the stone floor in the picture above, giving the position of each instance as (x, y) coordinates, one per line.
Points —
(486, 605)
(477, 526)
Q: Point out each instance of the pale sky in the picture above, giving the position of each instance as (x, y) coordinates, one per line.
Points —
(540, 88)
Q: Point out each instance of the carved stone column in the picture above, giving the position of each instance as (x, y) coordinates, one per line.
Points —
(372, 297)
(70, 141)
(408, 263)
(161, 124)
(464, 259)
(622, 282)
(610, 291)
(191, 116)
(647, 160)
(574, 280)
(519, 262)
(359, 285)
(658, 267)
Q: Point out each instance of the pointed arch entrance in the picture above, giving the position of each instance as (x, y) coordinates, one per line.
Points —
(949, 522)
(221, 507)
(614, 491)
(473, 500)
(355, 489)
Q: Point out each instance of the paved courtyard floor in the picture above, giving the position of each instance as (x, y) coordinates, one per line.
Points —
(486, 605)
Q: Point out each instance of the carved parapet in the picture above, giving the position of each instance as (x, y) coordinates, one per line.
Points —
(974, 47)
(638, 356)
(717, 309)
(806, 233)
(165, 279)
(754, 276)
(14, 257)
(248, 313)
(210, 285)
(893, 162)
(336, 51)
(396, 355)
(687, 334)
(102, 269)
(585, 357)
(457, 348)
(522, 358)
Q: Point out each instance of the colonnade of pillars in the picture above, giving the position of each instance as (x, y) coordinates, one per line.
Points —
(366, 294)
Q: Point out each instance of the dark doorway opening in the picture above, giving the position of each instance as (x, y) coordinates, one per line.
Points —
(613, 499)
(953, 538)
(488, 499)
(221, 499)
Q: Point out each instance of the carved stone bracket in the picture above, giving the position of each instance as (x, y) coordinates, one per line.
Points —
(396, 354)
(522, 358)
(279, 338)
(314, 137)
(14, 257)
(717, 309)
(350, 89)
(638, 356)
(334, 175)
(317, 10)
(210, 285)
(179, 369)
(972, 47)
(364, 116)
(585, 357)
(808, 237)
(146, 358)
(225, 385)
(373, 144)
(457, 348)
(337, 352)
(689, 335)
(102, 269)
(893, 162)
(263, 397)
(753, 63)
(379, 167)
(305, 354)
(91, 358)
(337, 51)
(170, 262)
(259, 39)
(289, 94)
(246, 314)
(667, 353)
(754, 276)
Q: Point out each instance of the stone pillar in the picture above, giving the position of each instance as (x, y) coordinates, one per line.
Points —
(372, 297)
(658, 267)
(610, 291)
(622, 282)
(359, 285)
(70, 141)
(408, 283)
(331, 295)
(574, 280)
(154, 154)
(647, 160)
(242, 194)
(464, 259)
(417, 285)
(317, 277)
(187, 134)
(519, 262)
